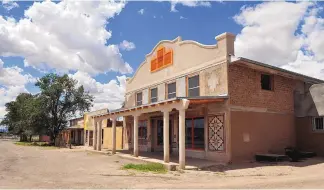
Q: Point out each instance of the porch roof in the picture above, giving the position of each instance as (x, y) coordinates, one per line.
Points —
(75, 127)
(192, 100)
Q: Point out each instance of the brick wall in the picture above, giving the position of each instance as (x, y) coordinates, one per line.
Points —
(245, 90)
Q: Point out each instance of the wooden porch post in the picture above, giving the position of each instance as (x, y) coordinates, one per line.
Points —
(94, 135)
(135, 135)
(182, 139)
(113, 135)
(166, 146)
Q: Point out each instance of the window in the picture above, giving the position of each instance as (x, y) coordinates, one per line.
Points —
(159, 132)
(193, 86)
(172, 90)
(195, 134)
(266, 82)
(139, 99)
(142, 132)
(154, 95)
(86, 140)
(318, 123)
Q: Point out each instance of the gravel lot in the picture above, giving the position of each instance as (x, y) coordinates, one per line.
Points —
(36, 167)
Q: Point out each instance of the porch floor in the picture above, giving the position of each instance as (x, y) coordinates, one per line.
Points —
(157, 157)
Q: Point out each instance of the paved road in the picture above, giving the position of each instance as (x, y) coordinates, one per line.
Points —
(35, 167)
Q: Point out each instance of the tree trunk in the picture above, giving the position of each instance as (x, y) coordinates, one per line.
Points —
(30, 138)
(23, 138)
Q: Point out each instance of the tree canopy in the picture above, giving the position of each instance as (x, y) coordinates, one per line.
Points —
(48, 112)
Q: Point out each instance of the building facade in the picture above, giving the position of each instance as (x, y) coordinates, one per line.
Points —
(193, 100)
(105, 140)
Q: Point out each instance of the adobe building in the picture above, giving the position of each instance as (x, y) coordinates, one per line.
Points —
(73, 134)
(193, 100)
(104, 141)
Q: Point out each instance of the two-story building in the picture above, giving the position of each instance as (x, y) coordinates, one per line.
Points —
(195, 100)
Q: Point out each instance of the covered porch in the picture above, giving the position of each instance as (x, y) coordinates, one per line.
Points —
(172, 130)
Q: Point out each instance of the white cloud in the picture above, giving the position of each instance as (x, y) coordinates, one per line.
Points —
(268, 33)
(12, 82)
(65, 36)
(12, 76)
(106, 95)
(126, 45)
(141, 11)
(271, 34)
(181, 17)
(314, 32)
(188, 3)
(8, 4)
(9, 94)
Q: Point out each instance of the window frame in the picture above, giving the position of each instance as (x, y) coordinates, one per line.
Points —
(271, 81)
(157, 94)
(314, 124)
(187, 84)
(167, 90)
(136, 101)
(193, 132)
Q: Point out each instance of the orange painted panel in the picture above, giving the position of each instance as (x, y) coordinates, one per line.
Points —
(153, 64)
(160, 52)
(163, 58)
(160, 62)
(168, 58)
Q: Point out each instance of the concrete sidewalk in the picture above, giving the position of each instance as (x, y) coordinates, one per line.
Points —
(157, 157)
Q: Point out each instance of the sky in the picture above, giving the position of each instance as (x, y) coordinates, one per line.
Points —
(100, 44)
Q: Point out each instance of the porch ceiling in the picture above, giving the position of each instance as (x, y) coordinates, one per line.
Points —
(158, 106)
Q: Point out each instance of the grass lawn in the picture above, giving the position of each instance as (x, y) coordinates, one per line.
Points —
(149, 167)
(40, 144)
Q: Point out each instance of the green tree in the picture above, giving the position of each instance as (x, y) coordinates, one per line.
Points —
(61, 99)
(23, 116)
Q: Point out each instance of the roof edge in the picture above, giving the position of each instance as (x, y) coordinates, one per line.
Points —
(310, 79)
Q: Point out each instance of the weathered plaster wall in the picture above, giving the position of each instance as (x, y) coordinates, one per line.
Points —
(189, 58)
(309, 100)
(130, 100)
(161, 92)
(307, 138)
(255, 132)
(214, 81)
(145, 96)
(181, 87)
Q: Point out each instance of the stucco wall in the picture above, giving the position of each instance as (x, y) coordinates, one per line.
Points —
(213, 81)
(189, 57)
(245, 90)
(307, 139)
(303, 101)
(253, 132)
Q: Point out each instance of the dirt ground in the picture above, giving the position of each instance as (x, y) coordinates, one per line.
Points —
(36, 167)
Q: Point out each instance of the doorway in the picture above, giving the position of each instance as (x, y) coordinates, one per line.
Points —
(157, 128)
(90, 138)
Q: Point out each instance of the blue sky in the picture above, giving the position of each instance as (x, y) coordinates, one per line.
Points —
(281, 34)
